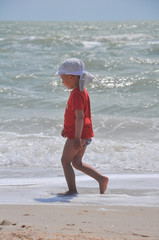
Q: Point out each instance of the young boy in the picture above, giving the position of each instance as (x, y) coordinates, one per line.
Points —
(77, 124)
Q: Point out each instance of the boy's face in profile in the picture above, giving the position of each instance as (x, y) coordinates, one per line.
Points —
(69, 81)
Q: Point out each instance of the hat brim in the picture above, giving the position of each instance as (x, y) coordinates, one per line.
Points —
(70, 73)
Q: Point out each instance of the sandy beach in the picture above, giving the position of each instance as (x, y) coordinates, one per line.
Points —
(42, 222)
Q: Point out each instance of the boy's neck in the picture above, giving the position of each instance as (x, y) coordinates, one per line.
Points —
(76, 83)
(76, 87)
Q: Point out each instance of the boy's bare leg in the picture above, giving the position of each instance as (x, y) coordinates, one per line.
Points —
(75, 156)
(102, 180)
(89, 170)
(69, 153)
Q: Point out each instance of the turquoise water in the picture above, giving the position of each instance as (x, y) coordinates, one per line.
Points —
(123, 57)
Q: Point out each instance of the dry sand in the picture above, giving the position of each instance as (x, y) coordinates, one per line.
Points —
(40, 222)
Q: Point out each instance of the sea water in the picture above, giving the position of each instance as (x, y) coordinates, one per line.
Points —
(124, 59)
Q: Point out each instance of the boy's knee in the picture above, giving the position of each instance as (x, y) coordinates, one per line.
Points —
(76, 164)
(64, 162)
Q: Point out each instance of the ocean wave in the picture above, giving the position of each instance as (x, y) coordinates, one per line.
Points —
(119, 143)
(128, 39)
(91, 44)
(124, 95)
(106, 155)
(145, 61)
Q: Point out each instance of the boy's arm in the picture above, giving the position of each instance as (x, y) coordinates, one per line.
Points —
(78, 128)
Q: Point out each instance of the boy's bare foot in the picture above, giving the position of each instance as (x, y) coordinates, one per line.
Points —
(103, 184)
(68, 193)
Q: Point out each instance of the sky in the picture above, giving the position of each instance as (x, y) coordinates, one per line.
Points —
(78, 10)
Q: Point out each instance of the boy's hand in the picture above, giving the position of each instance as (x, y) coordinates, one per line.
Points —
(77, 143)
(63, 133)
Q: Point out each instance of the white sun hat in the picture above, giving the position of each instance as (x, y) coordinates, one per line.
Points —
(74, 66)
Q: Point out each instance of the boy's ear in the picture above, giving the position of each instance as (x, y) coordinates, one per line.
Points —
(75, 76)
(72, 76)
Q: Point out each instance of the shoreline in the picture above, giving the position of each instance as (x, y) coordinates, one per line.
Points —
(78, 222)
(123, 190)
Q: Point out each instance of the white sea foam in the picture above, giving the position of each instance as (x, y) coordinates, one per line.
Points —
(89, 44)
(128, 39)
(130, 190)
(120, 144)
(109, 151)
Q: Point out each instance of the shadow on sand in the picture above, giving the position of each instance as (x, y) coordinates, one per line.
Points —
(57, 198)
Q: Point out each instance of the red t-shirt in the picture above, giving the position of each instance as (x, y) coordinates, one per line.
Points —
(78, 101)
